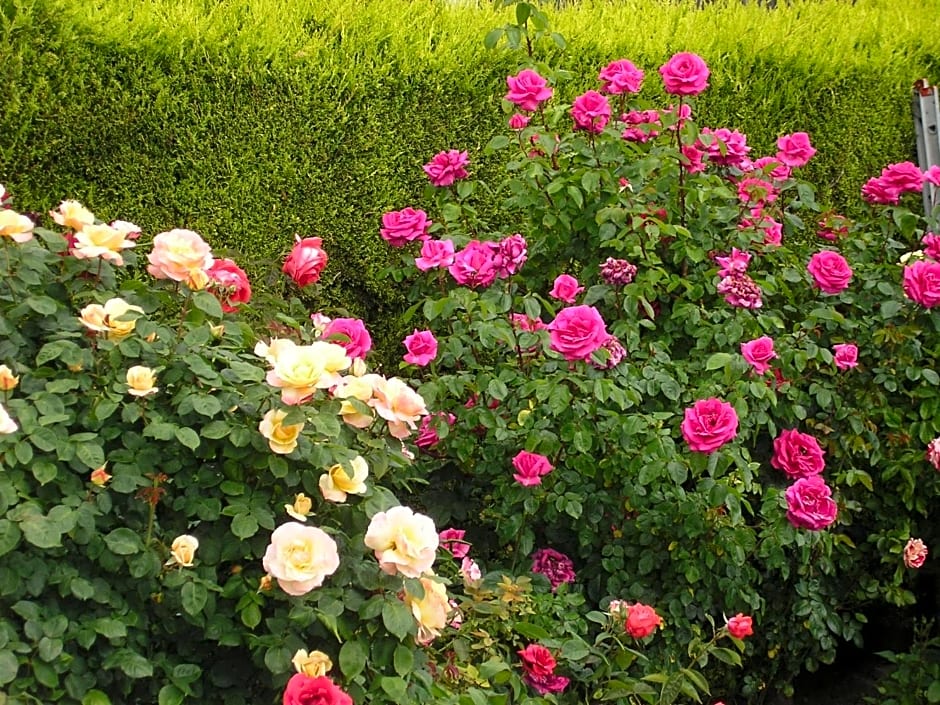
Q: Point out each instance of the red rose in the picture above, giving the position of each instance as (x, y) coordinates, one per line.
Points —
(642, 620)
(739, 626)
(304, 690)
(306, 261)
(537, 660)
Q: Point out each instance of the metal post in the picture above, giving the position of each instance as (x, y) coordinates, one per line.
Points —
(926, 115)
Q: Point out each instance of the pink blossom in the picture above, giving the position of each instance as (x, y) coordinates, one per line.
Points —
(740, 291)
(932, 175)
(615, 354)
(554, 565)
(933, 453)
(759, 353)
(544, 685)
(404, 226)
(727, 147)
(810, 504)
(922, 283)
(845, 355)
(452, 542)
(475, 265)
(915, 553)
(577, 332)
(530, 468)
(832, 227)
(756, 191)
(591, 112)
(421, 346)
(634, 119)
(229, 283)
(620, 77)
(510, 254)
(527, 90)
(470, 570)
(798, 454)
(306, 261)
(617, 272)
(737, 261)
(773, 232)
(427, 432)
(349, 333)
(931, 244)
(435, 254)
(565, 288)
(830, 271)
(778, 171)
(795, 150)
(693, 159)
(447, 167)
(709, 424)
(684, 74)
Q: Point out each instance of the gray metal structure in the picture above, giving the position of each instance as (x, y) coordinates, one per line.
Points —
(926, 116)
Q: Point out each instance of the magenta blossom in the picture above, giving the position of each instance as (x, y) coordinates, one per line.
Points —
(931, 242)
(620, 77)
(726, 148)
(510, 254)
(740, 291)
(933, 453)
(404, 226)
(591, 112)
(435, 254)
(845, 355)
(830, 271)
(554, 565)
(427, 432)
(810, 504)
(349, 333)
(447, 167)
(685, 74)
(759, 353)
(922, 283)
(795, 150)
(577, 332)
(421, 346)
(565, 288)
(518, 121)
(709, 424)
(475, 265)
(451, 540)
(527, 90)
(617, 272)
(530, 468)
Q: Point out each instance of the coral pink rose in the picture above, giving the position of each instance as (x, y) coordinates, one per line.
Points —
(620, 77)
(797, 454)
(709, 424)
(830, 271)
(740, 626)
(404, 226)
(922, 283)
(399, 405)
(180, 255)
(845, 355)
(537, 660)
(350, 334)
(435, 254)
(685, 74)
(642, 620)
(915, 553)
(475, 265)
(304, 690)
(421, 346)
(527, 90)
(231, 284)
(530, 468)
(306, 261)
(591, 112)
(810, 504)
(795, 150)
(759, 353)
(300, 557)
(404, 542)
(447, 167)
(577, 332)
(565, 288)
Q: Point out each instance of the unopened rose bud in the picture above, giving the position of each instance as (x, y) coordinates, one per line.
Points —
(100, 476)
(265, 584)
(8, 380)
(301, 507)
(183, 550)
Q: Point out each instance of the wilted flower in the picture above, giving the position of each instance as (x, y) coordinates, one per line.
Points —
(554, 565)
(915, 553)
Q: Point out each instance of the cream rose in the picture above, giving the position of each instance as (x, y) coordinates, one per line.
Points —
(183, 550)
(141, 381)
(100, 241)
(301, 507)
(180, 255)
(400, 405)
(360, 388)
(114, 318)
(17, 227)
(403, 542)
(7, 424)
(302, 369)
(313, 665)
(72, 215)
(282, 439)
(336, 484)
(300, 557)
(429, 611)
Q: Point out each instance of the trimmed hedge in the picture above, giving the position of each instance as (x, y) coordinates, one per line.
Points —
(252, 121)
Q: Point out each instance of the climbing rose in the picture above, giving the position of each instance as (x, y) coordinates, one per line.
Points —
(795, 150)
(565, 288)
(933, 453)
(797, 454)
(810, 504)
(231, 285)
(304, 690)
(404, 226)
(452, 542)
(759, 353)
(709, 424)
(922, 283)
(350, 334)
(577, 332)
(830, 271)
(845, 355)
(590, 112)
(475, 265)
(530, 468)
(421, 346)
(306, 261)
(435, 254)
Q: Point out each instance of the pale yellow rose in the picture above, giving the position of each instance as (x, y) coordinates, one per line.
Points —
(400, 405)
(313, 665)
(100, 476)
(114, 318)
(429, 611)
(403, 542)
(359, 367)
(281, 439)
(183, 550)
(301, 507)
(98, 240)
(336, 484)
(270, 351)
(7, 424)
(141, 381)
(17, 227)
(300, 557)
(302, 369)
(72, 215)
(8, 380)
(356, 388)
(265, 584)
(180, 255)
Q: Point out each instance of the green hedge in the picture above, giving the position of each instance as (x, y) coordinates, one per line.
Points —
(252, 121)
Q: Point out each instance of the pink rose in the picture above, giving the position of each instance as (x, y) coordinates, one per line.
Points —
(565, 289)
(447, 167)
(530, 468)
(543, 685)
(754, 191)
(180, 255)
(797, 454)
(810, 504)
(795, 150)
(778, 171)
(727, 147)
(932, 175)
(737, 261)
(876, 191)
(427, 431)
(617, 272)
(904, 177)
(577, 332)
(304, 690)
(421, 346)
(537, 660)
(830, 271)
(349, 333)
(527, 90)
(740, 291)
(518, 121)
(832, 227)
(709, 424)
(231, 284)
(915, 553)
(693, 159)
(759, 353)
(306, 261)
(933, 453)
(620, 77)
(773, 232)
(684, 74)
(554, 565)
(635, 118)
(642, 620)
(452, 542)
(510, 254)
(591, 112)
(475, 265)
(740, 626)
(845, 355)
(922, 283)
(404, 226)
(931, 244)
(435, 254)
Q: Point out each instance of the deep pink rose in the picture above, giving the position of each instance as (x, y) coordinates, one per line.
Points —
(922, 283)
(932, 175)
(521, 321)
(527, 90)
(709, 424)
(231, 285)
(634, 118)
(554, 565)
(421, 346)
(903, 177)
(757, 192)
(933, 453)
(349, 333)
(832, 227)
(304, 690)
(510, 254)
(693, 159)
(737, 261)
(778, 171)
(830, 271)
(452, 542)
(795, 150)
(537, 660)
(475, 265)
(577, 331)
(565, 288)
(435, 254)
(530, 468)
(876, 191)
(797, 454)
(306, 261)
(427, 432)
(845, 355)
(810, 504)
(404, 226)
(591, 112)
(684, 74)
(740, 626)
(642, 620)
(773, 232)
(726, 148)
(543, 685)
(759, 353)
(518, 121)
(740, 291)
(620, 77)
(931, 242)
(447, 167)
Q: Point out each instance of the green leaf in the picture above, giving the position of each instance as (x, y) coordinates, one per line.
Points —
(9, 536)
(492, 38)
(42, 305)
(531, 631)
(207, 303)
(278, 659)
(498, 142)
(206, 405)
(215, 430)
(96, 697)
(44, 472)
(110, 628)
(244, 526)
(134, 665)
(397, 618)
(717, 361)
(930, 376)
(404, 660)
(91, 454)
(188, 438)
(123, 542)
(194, 597)
(396, 688)
(497, 389)
(40, 532)
(170, 695)
(933, 692)
(9, 665)
(352, 659)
